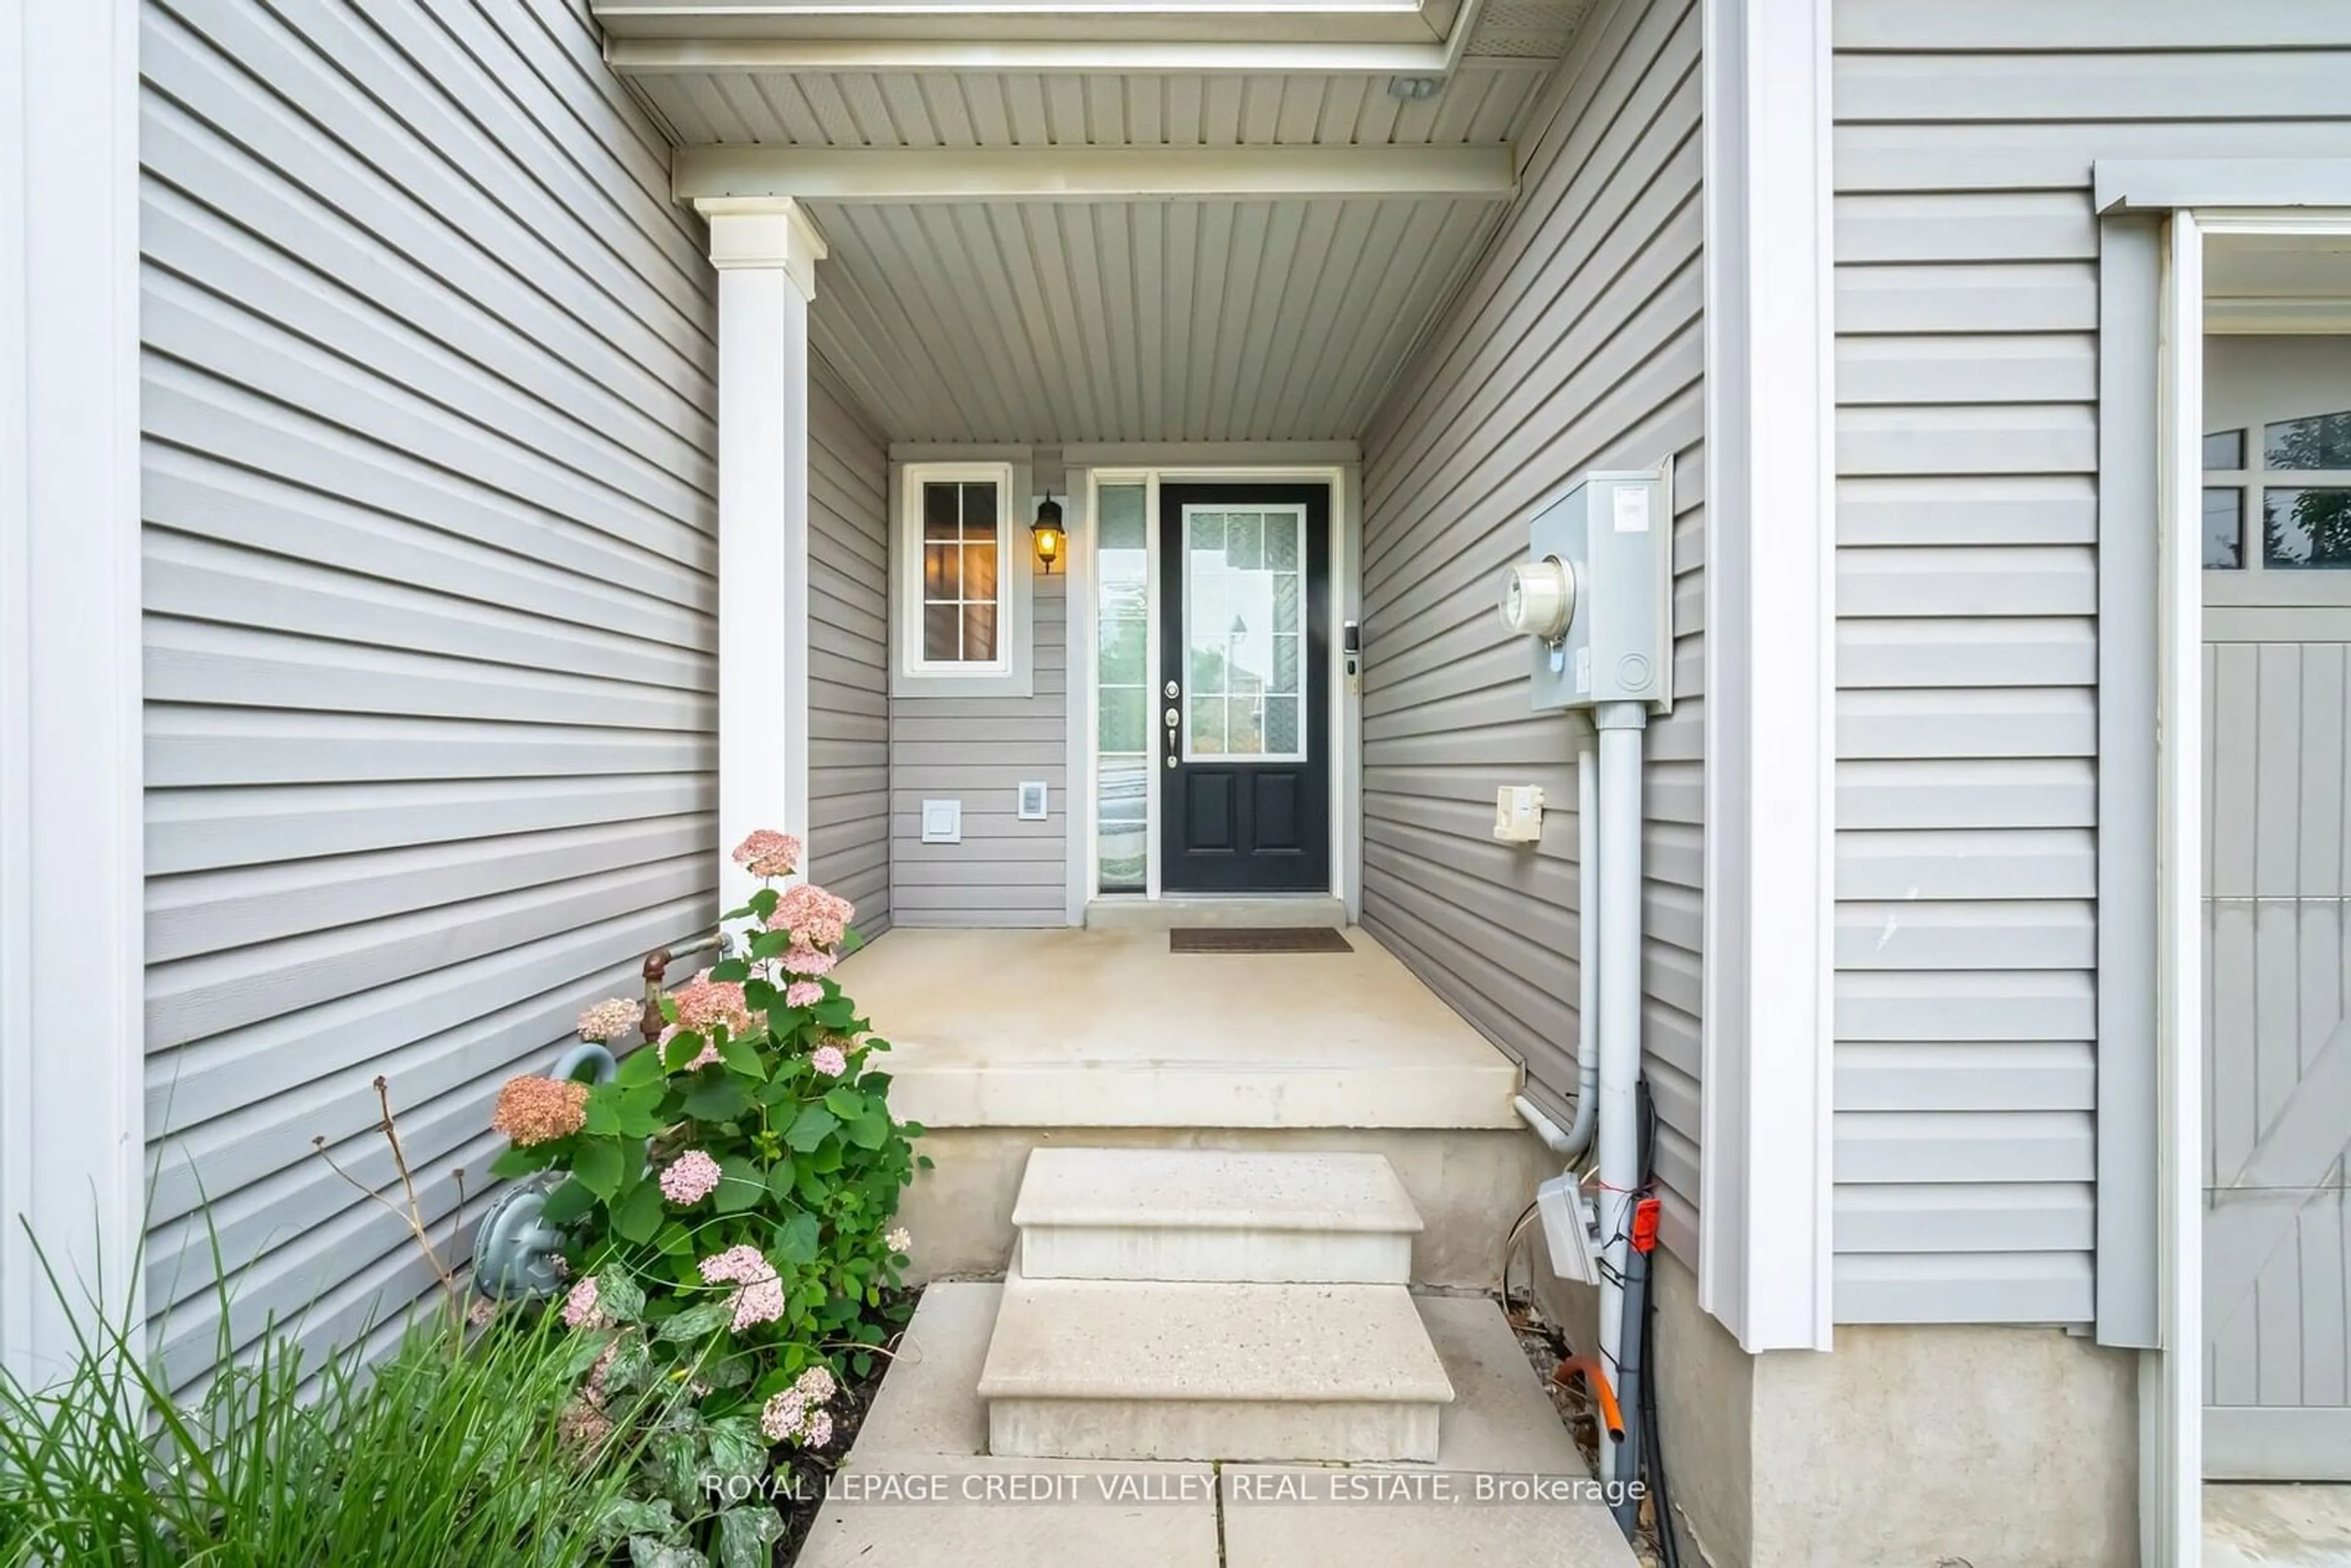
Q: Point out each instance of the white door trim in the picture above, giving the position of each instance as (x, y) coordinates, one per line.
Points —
(1344, 727)
(2171, 1383)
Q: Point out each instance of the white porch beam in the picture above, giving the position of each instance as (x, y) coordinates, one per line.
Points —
(766, 254)
(695, 56)
(72, 1031)
(650, 38)
(1092, 173)
(1202, 21)
(1765, 1248)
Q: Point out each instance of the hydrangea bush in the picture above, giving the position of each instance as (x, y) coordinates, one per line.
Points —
(730, 1196)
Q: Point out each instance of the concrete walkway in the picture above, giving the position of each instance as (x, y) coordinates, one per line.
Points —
(918, 1491)
(2257, 1526)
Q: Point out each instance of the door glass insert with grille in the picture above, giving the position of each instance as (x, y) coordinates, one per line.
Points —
(1244, 632)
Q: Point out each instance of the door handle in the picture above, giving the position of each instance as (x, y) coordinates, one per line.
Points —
(1173, 729)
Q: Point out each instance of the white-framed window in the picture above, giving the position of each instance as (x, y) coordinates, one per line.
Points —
(961, 566)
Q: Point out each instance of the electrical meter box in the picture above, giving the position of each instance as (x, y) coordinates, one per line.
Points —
(1594, 597)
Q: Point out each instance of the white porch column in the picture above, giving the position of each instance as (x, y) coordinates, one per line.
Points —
(71, 1015)
(765, 251)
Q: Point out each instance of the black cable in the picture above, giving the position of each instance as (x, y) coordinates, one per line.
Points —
(1652, 1459)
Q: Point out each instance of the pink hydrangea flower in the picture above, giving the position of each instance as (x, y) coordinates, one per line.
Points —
(769, 854)
(819, 1429)
(579, 1310)
(704, 1004)
(808, 961)
(760, 1299)
(816, 1385)
(803, 994)
(536, 1110)
(609, 1018)
(783, 1417)
(815, 917)
(899, 1239)
(690, 1179)
(829, 1061)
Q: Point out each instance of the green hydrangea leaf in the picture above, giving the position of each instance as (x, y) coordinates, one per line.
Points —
(742, 1056)
(640, 1067)
(812, 1126)
(683, 1048)
(741, 1185)
(719, 1100)
(598, 1167)
(639, 1214)
(797, 1239)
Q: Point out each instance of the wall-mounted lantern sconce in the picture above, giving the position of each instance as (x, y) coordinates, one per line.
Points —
(1046, 532)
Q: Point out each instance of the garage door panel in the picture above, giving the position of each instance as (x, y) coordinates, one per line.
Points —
(2277, 944)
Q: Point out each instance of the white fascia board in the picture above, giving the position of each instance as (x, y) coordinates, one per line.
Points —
(704, 175)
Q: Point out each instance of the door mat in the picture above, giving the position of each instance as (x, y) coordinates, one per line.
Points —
(1257, 939)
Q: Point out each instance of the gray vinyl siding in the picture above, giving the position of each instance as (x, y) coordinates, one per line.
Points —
(979, 750)
(1576, 344)
(1967, 524)
(849, 651)
(428, 385)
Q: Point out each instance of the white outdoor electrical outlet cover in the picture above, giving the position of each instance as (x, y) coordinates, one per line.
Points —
(1033, 802)
(942, 821)
(1567, 1229)
(1518, 813)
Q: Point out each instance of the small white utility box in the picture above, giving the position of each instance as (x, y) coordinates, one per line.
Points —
(1568, 1230)
(1518, 813)
(942, 821)
(1595, 596)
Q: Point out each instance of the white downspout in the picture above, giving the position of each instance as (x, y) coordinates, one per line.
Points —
(1619, 1057)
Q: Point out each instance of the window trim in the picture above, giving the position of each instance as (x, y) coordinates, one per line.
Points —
(1009, 673)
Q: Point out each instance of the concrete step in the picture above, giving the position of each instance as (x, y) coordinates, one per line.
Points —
(1269, 1217)
(1221, 910)
(1115, 1369)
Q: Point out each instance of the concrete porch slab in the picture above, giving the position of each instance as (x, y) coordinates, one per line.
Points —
(1109, 1029)
(928, 1419)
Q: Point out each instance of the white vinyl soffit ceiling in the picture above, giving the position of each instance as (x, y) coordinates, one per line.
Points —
(1052, 322)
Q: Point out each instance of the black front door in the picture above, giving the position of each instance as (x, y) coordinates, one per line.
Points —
(1243, 732)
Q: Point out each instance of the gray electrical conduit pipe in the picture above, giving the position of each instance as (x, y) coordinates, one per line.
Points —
(1570, 1144)
(1608, 884)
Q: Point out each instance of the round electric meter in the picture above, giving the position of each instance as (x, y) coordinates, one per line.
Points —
(1539, 600)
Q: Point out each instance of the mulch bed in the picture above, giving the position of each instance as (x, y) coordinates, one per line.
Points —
(812, 1473)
